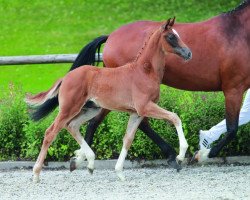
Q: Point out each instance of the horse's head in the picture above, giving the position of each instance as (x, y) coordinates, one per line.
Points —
(171, 41)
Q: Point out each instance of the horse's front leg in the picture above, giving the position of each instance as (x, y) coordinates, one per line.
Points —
(154, 111)
(133, 124)
(233, 100)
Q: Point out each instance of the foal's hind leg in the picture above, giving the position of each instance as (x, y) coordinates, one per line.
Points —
(154, 111)
(133, 124)
(50, 135)
(85, 151)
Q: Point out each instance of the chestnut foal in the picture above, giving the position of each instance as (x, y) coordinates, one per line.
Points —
(132, 88)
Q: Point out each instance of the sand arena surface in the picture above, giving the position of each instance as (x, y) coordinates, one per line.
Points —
(208, 182)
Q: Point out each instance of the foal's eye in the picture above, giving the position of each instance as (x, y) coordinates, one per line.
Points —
(171, 36)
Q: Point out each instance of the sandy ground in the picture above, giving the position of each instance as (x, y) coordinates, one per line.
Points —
(207, 182)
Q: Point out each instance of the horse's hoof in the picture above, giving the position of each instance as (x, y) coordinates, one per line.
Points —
(91, 171)
(174, 164)
(194, 159)
(72, 164)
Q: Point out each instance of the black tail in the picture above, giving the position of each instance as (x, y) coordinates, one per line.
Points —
(44, 109)
(87, 54)
(85, 57)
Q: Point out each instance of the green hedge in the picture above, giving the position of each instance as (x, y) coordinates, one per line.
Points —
(21, 139)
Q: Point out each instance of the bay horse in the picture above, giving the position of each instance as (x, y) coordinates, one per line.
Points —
(133, 88)
(221, 62)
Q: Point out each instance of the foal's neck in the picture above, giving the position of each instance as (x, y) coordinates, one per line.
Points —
(151, 58)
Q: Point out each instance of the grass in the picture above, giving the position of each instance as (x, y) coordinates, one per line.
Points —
(64, 26)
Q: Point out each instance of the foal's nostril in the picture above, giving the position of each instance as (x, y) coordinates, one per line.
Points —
(189, 54)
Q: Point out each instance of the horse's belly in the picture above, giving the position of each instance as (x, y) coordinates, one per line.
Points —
(192, 75)
(192, 85)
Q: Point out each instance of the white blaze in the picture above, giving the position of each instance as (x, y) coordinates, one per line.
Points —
(175, 32)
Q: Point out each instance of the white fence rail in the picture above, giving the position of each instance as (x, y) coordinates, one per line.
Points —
(41, 59)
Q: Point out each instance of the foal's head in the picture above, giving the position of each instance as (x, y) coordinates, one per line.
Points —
(171, 41)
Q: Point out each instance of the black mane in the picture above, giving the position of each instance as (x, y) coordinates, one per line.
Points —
(231, 23)
(240, 7)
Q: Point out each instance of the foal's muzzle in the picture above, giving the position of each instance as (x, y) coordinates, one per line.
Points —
(184, 52)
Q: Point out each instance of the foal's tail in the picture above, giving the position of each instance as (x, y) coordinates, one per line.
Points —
(45, 102)
(87, 54)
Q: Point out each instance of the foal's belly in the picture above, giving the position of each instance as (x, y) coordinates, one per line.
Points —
(115, 105)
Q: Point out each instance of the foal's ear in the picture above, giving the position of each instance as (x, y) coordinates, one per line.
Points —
(165, 25)
(171, 23)
(168, 24)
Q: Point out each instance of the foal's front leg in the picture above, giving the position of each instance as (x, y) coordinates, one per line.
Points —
(154, 111)
(133, 124)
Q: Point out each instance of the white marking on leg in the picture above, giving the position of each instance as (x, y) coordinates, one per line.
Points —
(183, 145)
(36, 173)
(85, 151)
(132, 126)
(90, 155)
(120, 163)
(203, 155)
(155, 111)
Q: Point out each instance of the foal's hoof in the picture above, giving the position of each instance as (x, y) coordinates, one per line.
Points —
(91, 171)
(174, 164)
(120, 176)
(179, 162)
(72, 164)
(195, 158)
(36, 179)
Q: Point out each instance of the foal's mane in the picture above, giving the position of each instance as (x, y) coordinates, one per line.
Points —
(240, 7)
(144, 45)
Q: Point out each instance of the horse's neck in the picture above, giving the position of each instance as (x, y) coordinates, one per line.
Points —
(245, 18)
(241, 18)
(152, 58)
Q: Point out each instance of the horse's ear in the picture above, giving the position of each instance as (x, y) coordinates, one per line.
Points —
(171, 23)
(166, 24)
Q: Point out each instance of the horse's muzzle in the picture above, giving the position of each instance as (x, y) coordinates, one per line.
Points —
(184, 52)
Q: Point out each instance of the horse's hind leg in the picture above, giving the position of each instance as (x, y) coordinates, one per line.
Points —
(93, 125)
(233, 100)
(85, 151)
(168, 151)
(133, 124)
(153, 110)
